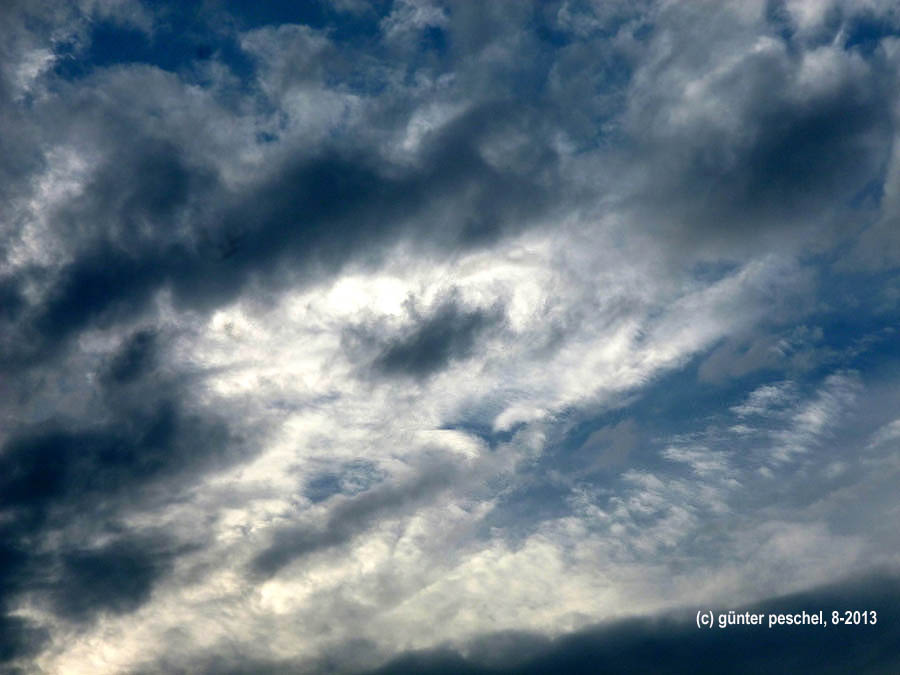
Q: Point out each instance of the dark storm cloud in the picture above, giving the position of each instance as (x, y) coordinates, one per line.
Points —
(76, 583)
(116, 578)
(103, 286)
(673, 644)
(58, 479)
(448, 334)
(54, 467)
(123, 232)
(135, 357)
(349, 516)
(19, 638)
(347, 657)
(140, 193)
(11, 300)
(142, 431)
(298, 224)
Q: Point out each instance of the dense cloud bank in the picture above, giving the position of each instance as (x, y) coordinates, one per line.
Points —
(430, 337)
(671, 643)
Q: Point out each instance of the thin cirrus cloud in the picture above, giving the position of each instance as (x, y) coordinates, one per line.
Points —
(421, 337)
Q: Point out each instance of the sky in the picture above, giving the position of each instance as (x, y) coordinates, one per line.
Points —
(447, 337)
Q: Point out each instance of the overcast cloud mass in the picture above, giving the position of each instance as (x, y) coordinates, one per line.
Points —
(447, 337)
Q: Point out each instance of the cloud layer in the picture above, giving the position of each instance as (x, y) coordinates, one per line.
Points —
(422, 337)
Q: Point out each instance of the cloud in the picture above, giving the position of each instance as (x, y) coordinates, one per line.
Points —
(298, 224)
(446, 334)
(669, 643)
(348, 516)
(70, 488)
(812, 421)
(765, 399)
(614, 444)
(887, 433)
(673, 644)
(117, 577)
(334, 337)
(21, 639)
(134, 358)
(749, 136)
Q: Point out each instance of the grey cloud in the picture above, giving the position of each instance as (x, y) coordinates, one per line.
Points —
(349, 657)
(672, 643)
(154, 215)
(139, 194)
(31, 32)
(144, 439)
(668, 643)
(60, 482)
(296, 225)
(765, 145)
(715, 131)
(19, 639)
(734, 358)
(117, 577)
(799, 350)
(293, 56)
(135, 357)
(20, 157)
(611, 446)
(75, 583)
(11, 300)
(449, 333)
(349, 516)
(53, 466)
